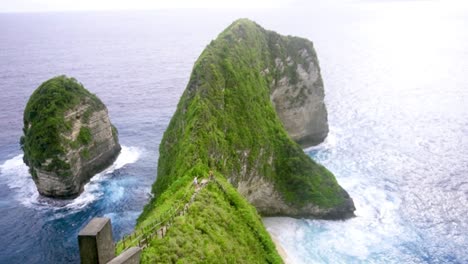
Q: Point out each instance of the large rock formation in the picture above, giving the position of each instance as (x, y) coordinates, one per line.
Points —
(227, 115)
(297, 89)
(68, 137)
(226, 123)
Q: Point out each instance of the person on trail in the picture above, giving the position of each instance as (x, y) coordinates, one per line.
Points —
(195, 181)
(211, 175)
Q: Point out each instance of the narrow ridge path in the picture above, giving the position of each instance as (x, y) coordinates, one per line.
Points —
(158, 228)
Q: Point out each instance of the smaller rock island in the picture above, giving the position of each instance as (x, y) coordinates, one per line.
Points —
(68, 137)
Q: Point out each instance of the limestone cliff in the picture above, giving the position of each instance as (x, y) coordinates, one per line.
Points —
(226, 120)
(68, 137)
(297, 89)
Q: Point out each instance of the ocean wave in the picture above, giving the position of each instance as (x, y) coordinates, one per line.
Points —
(374, 230)
(15, 174)
(329, 143)
(128, 155)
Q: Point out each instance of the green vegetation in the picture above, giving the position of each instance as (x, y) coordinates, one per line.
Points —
(44, 122)
(87, 115)
(115, 132)
(85, 154)
(226, 123)
(84, 137)
(219, 227)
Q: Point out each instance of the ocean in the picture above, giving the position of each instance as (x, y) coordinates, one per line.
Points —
(397, 97)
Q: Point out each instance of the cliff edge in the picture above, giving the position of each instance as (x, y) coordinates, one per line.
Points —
(68, 137)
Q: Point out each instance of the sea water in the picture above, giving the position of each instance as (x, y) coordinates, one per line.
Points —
(396, 91)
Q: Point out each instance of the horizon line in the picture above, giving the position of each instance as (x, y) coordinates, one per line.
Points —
(138, 9)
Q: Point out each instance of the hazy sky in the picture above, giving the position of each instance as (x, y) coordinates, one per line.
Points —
(79, 5)
(61, 5)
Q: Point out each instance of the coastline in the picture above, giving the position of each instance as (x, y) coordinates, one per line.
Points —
(280, 249)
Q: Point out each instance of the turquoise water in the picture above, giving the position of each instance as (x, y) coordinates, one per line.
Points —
(396, 91)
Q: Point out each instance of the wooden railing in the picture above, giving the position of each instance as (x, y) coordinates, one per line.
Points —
(141, 236)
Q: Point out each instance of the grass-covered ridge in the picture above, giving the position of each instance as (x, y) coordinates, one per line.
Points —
(225, 122)
(44, 122)
(219, 226)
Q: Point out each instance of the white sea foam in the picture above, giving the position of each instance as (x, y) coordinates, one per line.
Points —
(16, 176)
(329, 142)
(128, 155)
(372, 231)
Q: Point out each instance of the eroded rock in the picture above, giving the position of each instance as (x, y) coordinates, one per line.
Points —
(68, 137)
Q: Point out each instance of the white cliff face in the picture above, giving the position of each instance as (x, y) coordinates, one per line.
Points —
(300, 102)
(85, 160)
